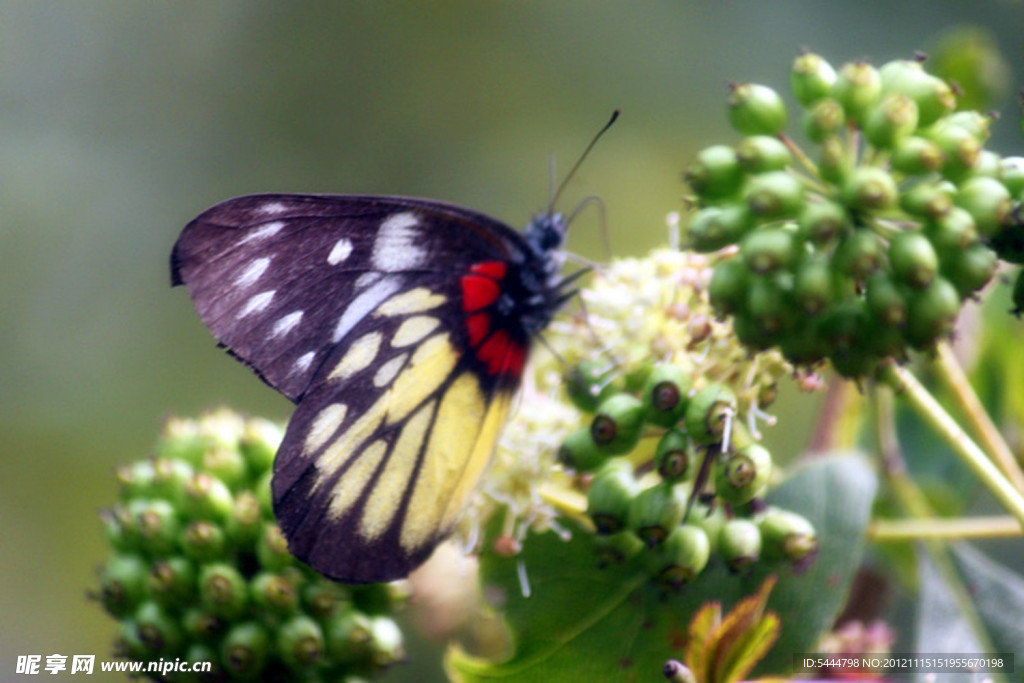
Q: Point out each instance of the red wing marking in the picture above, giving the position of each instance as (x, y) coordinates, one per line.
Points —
(478, 325)
(492, 269)
(478, 292)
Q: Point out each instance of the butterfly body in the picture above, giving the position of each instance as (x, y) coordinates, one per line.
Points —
(400, 328)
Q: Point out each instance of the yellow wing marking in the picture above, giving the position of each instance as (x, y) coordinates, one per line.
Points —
(413, 329)
(348, 489)
(341, 449)
(324, 424)
(414, 300)
(387, 371)
(390, 487)
(431, 363)
(360, 354)
(447, 461)
(483, 447)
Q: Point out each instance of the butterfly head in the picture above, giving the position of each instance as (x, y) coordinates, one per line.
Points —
(544, 236)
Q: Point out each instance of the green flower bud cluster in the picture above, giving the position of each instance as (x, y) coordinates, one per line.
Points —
(686, 432)
(869, 247)
(200, 571)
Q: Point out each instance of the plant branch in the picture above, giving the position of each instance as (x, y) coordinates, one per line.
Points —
(888, 530)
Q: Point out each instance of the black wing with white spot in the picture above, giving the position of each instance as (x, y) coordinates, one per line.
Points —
(281, 280)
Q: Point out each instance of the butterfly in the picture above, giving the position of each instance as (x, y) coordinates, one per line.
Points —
(400, 328)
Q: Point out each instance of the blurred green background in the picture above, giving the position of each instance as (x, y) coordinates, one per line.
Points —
(119, 121)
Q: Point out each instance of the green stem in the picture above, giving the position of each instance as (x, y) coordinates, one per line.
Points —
(888, 530)
(799, 155)
(928, 409)
(949, 371)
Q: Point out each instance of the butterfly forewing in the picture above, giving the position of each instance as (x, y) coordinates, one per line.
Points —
(393, 323)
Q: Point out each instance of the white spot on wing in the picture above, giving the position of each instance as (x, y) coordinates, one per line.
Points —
(252, 272)
(256, 303)
(303, 362)
(367, 279)
(263, 232)
(388, 370)
(272, 208)
(398, 245)
(364, 304)
(340, 252)
(285, 324)
(324, 425)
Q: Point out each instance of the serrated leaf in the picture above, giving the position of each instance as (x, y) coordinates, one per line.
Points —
(612, 624)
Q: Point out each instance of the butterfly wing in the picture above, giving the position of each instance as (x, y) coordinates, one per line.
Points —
(373, 314)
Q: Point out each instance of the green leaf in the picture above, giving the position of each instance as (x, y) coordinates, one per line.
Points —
(998, 595)
(584, 623)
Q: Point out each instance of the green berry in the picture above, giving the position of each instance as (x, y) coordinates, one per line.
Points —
(715, 227)
(971, 269)
(715, 173)
(157, 629)
(933, 97)
(739, 543)
(588, 383)
(931, 313)
(272, 549)
(681, 558)
(885, 301)
(274, 593)
(811, 78)
(579, 452)
(245, 649)
(610, 495)
(869, 188)
(1012, 174)
(709, 412)
(223, 590)
(743, 475)
(959, 147)
(122, 584)
(666, 393)
(988, 202)
(672, 457)
(774, 195)
(617, 548)
(618, 424)
(206, 497)
(300, 642)
(812, 285)
(756, 110)
(892, 120)
(915, 155)
(786, 535)
(859, 254)
(763, 153)
(952, 232)
(825, 118)
(769, 304)
(655, 511)
(156, 524)
(766, 250)
(821, 222)
(727, 291)
(841, 326)
(913, 259)
(203, 541)
(857, 88)
(929, 199)
(172, 581)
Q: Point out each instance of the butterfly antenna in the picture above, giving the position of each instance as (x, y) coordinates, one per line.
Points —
(575, 167)
(602, 217)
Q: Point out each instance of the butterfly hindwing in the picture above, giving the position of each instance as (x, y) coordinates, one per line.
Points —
(397, 326)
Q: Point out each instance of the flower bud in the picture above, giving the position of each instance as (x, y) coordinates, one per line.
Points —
(952, 232)
(655, 511)
(349, 635)
(709, 411)
(588, 383)
(610, 495)
(274, 594)
(666, 393)
(769, 304)
(971, 269)
(272, 549)
(885, 302)
(756, 110)
(206, 497)
(913, 259)
(859, 254)
(744, 474)
(716, 173)
(933, 97)
(156, 629)
(122, 584)
(618, 424)
(715, 227)
(928, 199)
(812, 285)
(811, 78)
(203, 541)
(1012, 174)
(959, 147)
(172, 581)
(156, 524)
(681, 558)
(763, 153)
(774, 195)
(222, 590)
